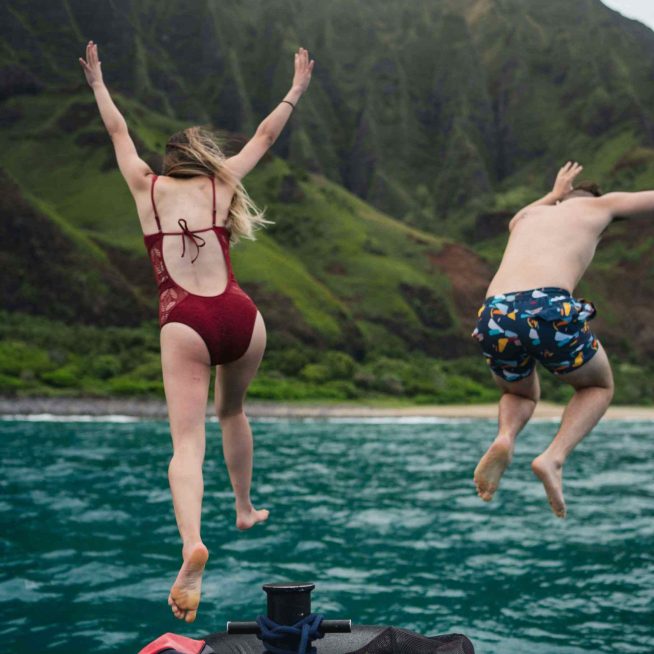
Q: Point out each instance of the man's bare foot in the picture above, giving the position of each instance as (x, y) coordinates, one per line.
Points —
(246, 518)
(185, 593)
(491, 467)
(551, 474)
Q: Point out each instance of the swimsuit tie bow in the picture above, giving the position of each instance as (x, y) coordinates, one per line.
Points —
(198, 241)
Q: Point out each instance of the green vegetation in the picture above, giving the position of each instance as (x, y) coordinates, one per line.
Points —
(44, 357)
(41, 357)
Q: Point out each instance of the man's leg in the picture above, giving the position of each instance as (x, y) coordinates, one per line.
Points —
(593, 385)
(516, 407)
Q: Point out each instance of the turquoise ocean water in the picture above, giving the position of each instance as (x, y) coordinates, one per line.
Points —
(381, 515)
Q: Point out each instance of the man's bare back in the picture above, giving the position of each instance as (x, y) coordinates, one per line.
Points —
(552, 241)
(551, 245)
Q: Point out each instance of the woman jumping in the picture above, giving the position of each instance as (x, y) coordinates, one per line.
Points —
(189, 216)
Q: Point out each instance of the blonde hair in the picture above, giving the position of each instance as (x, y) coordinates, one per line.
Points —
(195, 151)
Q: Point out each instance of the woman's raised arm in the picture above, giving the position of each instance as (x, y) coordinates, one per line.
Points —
(133, 168)
(268, 131)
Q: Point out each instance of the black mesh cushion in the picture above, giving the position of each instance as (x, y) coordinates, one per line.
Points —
(364, 639)
(400, 641)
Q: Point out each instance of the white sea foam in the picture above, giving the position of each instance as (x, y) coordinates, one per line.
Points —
(52, 417)
(367, 420)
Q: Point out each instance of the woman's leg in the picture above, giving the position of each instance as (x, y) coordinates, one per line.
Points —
(232, 381)
(186, 374)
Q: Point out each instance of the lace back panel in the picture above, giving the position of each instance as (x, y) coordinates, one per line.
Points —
(170, 295)
(168, 300)
(158, 265)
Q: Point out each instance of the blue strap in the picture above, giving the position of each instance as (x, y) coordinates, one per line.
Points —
(305, 631)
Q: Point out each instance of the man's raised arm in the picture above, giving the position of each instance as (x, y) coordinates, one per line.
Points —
(629, 205)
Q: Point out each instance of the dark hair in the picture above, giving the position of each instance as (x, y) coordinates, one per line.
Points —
(589, 187)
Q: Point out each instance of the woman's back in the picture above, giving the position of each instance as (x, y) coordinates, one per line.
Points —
(191, 249)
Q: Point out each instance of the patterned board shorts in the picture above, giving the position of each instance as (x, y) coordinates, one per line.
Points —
(548, 325)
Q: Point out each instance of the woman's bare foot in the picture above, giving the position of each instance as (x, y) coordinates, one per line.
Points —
(185, 593)
(248, 517)
(491, 467)
(551, 474)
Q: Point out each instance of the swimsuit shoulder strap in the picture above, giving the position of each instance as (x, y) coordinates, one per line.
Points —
(213, 210)
(154, 206)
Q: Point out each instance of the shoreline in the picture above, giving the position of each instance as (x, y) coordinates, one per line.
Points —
(156, 409)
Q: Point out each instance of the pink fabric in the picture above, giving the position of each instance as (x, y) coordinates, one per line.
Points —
(173, 641)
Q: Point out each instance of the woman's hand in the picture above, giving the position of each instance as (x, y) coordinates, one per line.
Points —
(91, 66)
(271, 126)
(563, 182)
(303, 70)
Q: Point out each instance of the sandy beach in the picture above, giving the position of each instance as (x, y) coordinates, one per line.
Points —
(156, 409)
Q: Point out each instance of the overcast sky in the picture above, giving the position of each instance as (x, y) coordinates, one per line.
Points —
(642, 10)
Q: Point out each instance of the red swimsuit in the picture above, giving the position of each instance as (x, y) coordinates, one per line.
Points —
(225, 322)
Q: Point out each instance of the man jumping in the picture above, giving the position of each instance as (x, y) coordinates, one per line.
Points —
(530, 315)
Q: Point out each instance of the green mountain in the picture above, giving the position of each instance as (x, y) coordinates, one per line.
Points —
(418, 107)
(426, 124)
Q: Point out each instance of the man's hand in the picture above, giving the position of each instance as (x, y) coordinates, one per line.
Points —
(563, 183)
(562, 186)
